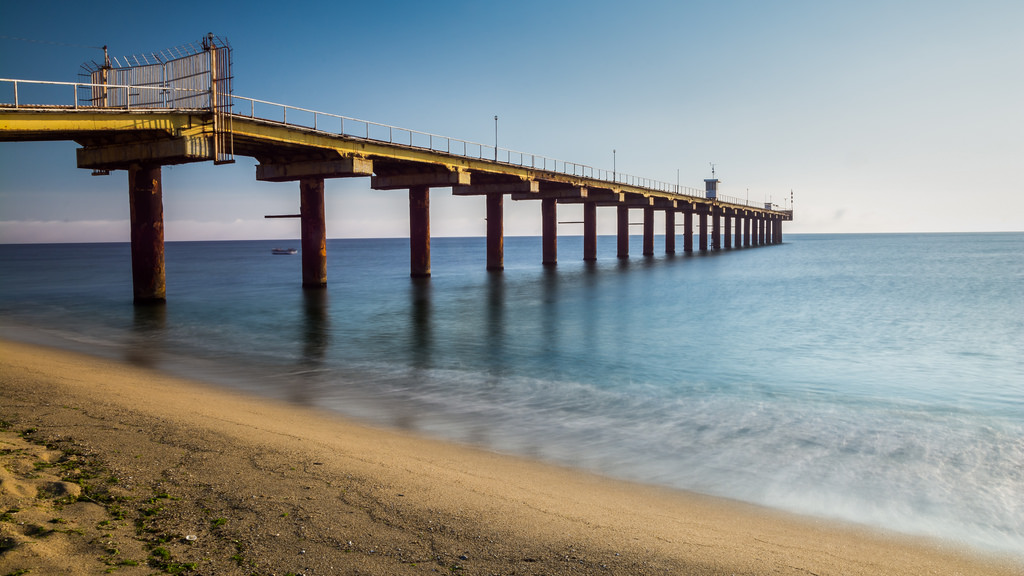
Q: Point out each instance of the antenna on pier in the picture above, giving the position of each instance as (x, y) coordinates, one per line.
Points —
(712, 169)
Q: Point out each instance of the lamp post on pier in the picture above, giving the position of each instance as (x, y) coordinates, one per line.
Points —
(495, 137)
(613, 166)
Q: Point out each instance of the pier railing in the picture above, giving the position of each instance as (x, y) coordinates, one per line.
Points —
(51, 95)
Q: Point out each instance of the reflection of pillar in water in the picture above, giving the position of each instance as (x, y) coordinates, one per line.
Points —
(315, 341)
(420, 324)
(148, 325)
(316, 326)
(496, 322)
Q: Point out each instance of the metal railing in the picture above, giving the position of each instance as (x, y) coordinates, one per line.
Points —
(338, 125)
(145, 97)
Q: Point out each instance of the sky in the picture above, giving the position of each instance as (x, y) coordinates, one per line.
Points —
(878, 116)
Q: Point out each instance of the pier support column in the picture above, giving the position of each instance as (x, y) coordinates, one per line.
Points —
(549, 223)
(727, 229)
(670, 231)
(419, 231)
(688, 229)
(648, 230)
(703, 228)
(589, 231)
(146, 205)
(716, 228)
(778, 231)
(747, 223)
(622, 214)
(495, 232)
(313, 225)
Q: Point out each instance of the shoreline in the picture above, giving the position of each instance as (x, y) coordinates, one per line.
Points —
(271, 488)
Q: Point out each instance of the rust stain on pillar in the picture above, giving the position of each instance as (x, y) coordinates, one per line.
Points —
(622, 216)
(145, 196)
(549, 223)
(589, 232)
(495, 232)
(419, 231)
(648, 230)
(314, 233)
(670, 231)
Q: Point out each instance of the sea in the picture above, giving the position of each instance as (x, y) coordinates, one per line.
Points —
(876, 378)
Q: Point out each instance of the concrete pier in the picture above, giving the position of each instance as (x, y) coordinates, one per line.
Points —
(622, 217)
(688, 227)
(670, 231)
(145, 196)
(589, 231)
(419, 231)
(495, 232)
(648, 230)
(702, 217)
(716, 228)
(727, 228)
(549, 230)
(314, 233)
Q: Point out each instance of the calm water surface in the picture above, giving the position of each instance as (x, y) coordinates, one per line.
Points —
(872, 378)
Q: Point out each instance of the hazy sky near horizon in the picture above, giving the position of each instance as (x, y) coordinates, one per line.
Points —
(880, 116)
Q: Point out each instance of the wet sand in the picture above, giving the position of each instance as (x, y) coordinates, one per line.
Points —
(112, 466)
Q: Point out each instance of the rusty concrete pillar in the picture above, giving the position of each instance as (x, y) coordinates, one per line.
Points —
(716, 228)
(726, 228)
(670, 231)
(419, 231)
(314, 233)
(589, 231)
(495, 232)
(688, 228)
(146, 205)
(703, 228)
(778, 231)
(549, 225)
(648, 230)
(622, 218)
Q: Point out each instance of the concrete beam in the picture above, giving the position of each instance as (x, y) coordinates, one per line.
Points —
(598, 197)
(567, 193)
(159, 152)
(638, 200)
(438, 179)
(338, 168)
(525, 187)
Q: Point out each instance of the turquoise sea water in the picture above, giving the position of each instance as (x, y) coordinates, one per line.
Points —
(872, 378)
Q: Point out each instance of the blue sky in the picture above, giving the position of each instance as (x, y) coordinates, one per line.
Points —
(881, 116)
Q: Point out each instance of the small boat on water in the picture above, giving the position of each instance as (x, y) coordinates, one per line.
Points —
(284, 251)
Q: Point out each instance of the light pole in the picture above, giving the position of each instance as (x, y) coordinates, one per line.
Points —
(495, 137)
(613, 166)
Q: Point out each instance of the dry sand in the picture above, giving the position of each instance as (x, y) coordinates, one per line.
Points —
(107, 466)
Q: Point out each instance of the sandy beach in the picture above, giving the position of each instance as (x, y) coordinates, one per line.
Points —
(108, 466)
